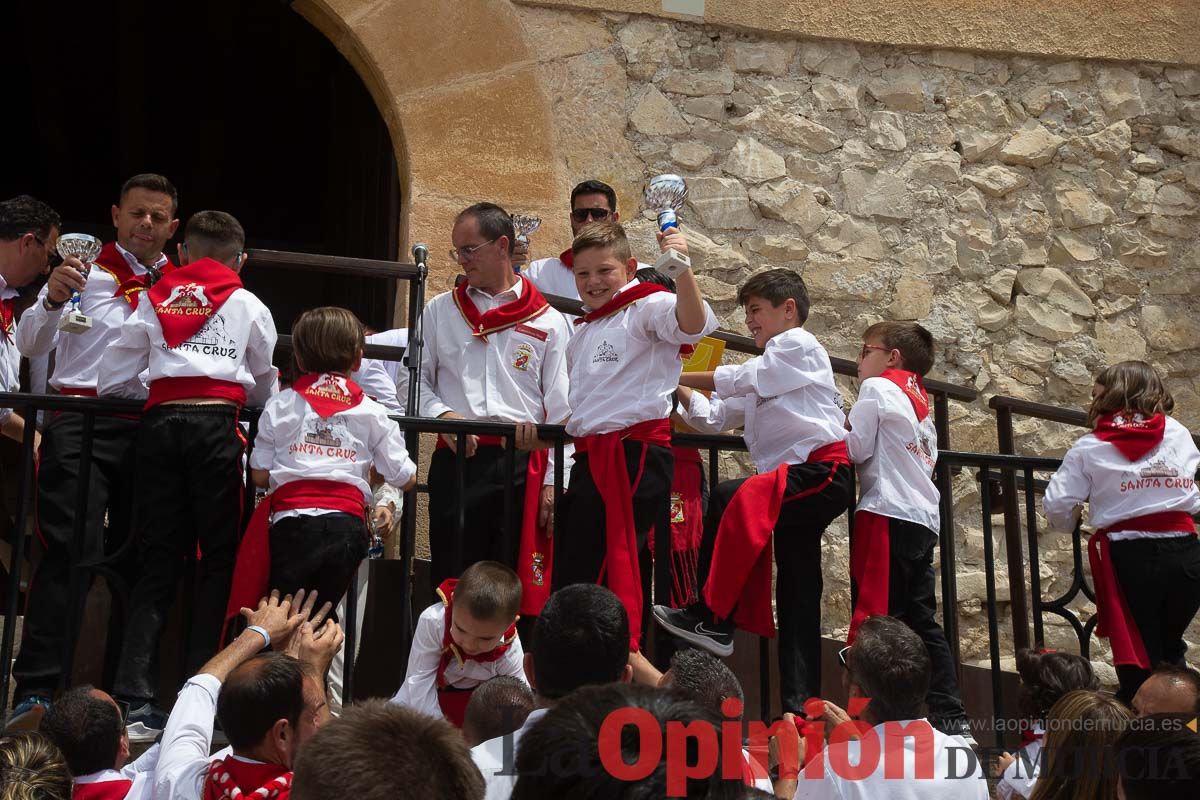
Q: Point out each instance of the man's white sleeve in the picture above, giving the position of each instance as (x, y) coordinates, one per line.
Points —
(375, 381)
(37, 332)
(187, 741)
(430, 405)
(121, 366)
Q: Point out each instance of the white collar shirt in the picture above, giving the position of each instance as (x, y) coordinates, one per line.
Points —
(1116, 489)
(624, 367)
(10, 356)
(140, 774)
(956, 775)
(381, 378)
(77, 355)
(894, 455)
(785, 399)
(496, 758)
(419, 690)
(552, 276)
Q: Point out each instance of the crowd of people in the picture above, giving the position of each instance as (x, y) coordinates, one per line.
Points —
(526, 676)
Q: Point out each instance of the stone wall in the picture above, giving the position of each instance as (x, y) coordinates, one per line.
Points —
(1038, 216)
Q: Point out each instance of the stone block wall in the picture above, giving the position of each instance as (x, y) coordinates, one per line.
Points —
(1038, 216)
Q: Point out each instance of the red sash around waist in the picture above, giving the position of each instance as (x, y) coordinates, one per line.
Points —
(739, 579)
(165, 390)
(1113, 618)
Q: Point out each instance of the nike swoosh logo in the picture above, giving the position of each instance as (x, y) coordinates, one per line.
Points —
(705, 631)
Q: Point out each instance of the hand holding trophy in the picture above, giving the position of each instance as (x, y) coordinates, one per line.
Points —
(524, 225)
(665, 194)
(85, 248)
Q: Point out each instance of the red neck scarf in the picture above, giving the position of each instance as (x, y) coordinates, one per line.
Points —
(913, 387)
(6, 316)
(328, 393)
(451, 651)
(1131, 433)
(189, 296)
(102, 790)
(129, 285)
(567, 257)
(231, 779)
(529, 305)
(621, 299)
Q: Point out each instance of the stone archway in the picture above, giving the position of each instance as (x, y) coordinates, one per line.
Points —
(470, 120)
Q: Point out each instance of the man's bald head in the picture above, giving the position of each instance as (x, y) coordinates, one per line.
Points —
(1169, 690)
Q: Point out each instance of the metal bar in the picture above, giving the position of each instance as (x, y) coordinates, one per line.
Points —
(382, 352)
(350, 628)
(510, 469)
(946, 546)
(1012, 533)
(460, 483)
(412, 441)
(342, 265)
(24, 503)
(77, 591)
(764, 678)
(989, 566)
(1035, 576)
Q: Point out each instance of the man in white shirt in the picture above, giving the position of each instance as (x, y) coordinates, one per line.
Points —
(268, 704)
(494, 350)
(87, 726)
(28, 233)
(144, 220)
(896, 753)
(591, 201)
(582, 639)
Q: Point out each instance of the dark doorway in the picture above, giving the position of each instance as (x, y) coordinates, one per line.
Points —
(241, 103)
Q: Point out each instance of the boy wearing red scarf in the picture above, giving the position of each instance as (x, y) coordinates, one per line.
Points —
(462, 641)
(794, 428)
(206, 345)
(893, 444)
(1136, 471)
(624, 363)
(315, 446)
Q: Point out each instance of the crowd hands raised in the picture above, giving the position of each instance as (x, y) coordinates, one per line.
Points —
(582, 711)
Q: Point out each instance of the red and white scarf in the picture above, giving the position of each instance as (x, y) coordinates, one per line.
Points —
(328, 393)
(233, 779)
(188, 297)
(529, 305)
(129, 285)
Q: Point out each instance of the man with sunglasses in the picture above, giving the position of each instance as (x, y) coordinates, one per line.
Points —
(28, 231)
(494, 351)
(591, 201)
(144, 218)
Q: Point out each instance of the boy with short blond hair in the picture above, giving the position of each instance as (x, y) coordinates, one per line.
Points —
(623, 364)
(463, 641)
(315, 446)
(794, 428)
(893, 442)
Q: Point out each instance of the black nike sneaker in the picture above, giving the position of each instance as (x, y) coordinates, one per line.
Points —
(696, 626)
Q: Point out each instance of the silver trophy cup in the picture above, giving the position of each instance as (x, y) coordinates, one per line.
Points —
(85, 248)
(524, 225)
(666, 194)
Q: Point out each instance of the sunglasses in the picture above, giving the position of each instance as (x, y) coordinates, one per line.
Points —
(123, 705)
(585, 214)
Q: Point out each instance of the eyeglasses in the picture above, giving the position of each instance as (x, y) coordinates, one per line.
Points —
(52, 256)
(867, 348)
(123, 706)
(844, 656)
(585, 214)
(465, 254)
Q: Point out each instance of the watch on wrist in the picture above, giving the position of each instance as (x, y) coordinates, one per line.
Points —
(50, 305)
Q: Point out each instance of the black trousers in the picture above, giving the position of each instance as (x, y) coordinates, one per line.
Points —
(912, 599)
(319, 552)
(189, 491)
(1160, 579)
(47, 616)
(580, 543)
(816, 495)
(487, 533)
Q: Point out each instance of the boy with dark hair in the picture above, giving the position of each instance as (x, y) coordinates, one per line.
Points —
(315, 446)
(794, 428)
(206, 344)
(494, 351)
(87, 726)
(497, 707)
(144, 219)
(893, 444)
(463, 641)
(376, 750)
(624, 362)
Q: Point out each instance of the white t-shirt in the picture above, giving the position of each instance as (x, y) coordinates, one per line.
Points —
(894, 454)
(785, 398)
(1116, 489)
(624, 367)
(955, 775)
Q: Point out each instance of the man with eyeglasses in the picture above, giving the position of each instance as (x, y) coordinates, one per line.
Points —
(145, 219)
(494, 351)
(591, 201)
(28, 231)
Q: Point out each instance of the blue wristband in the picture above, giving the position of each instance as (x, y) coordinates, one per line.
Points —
(261, 631)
